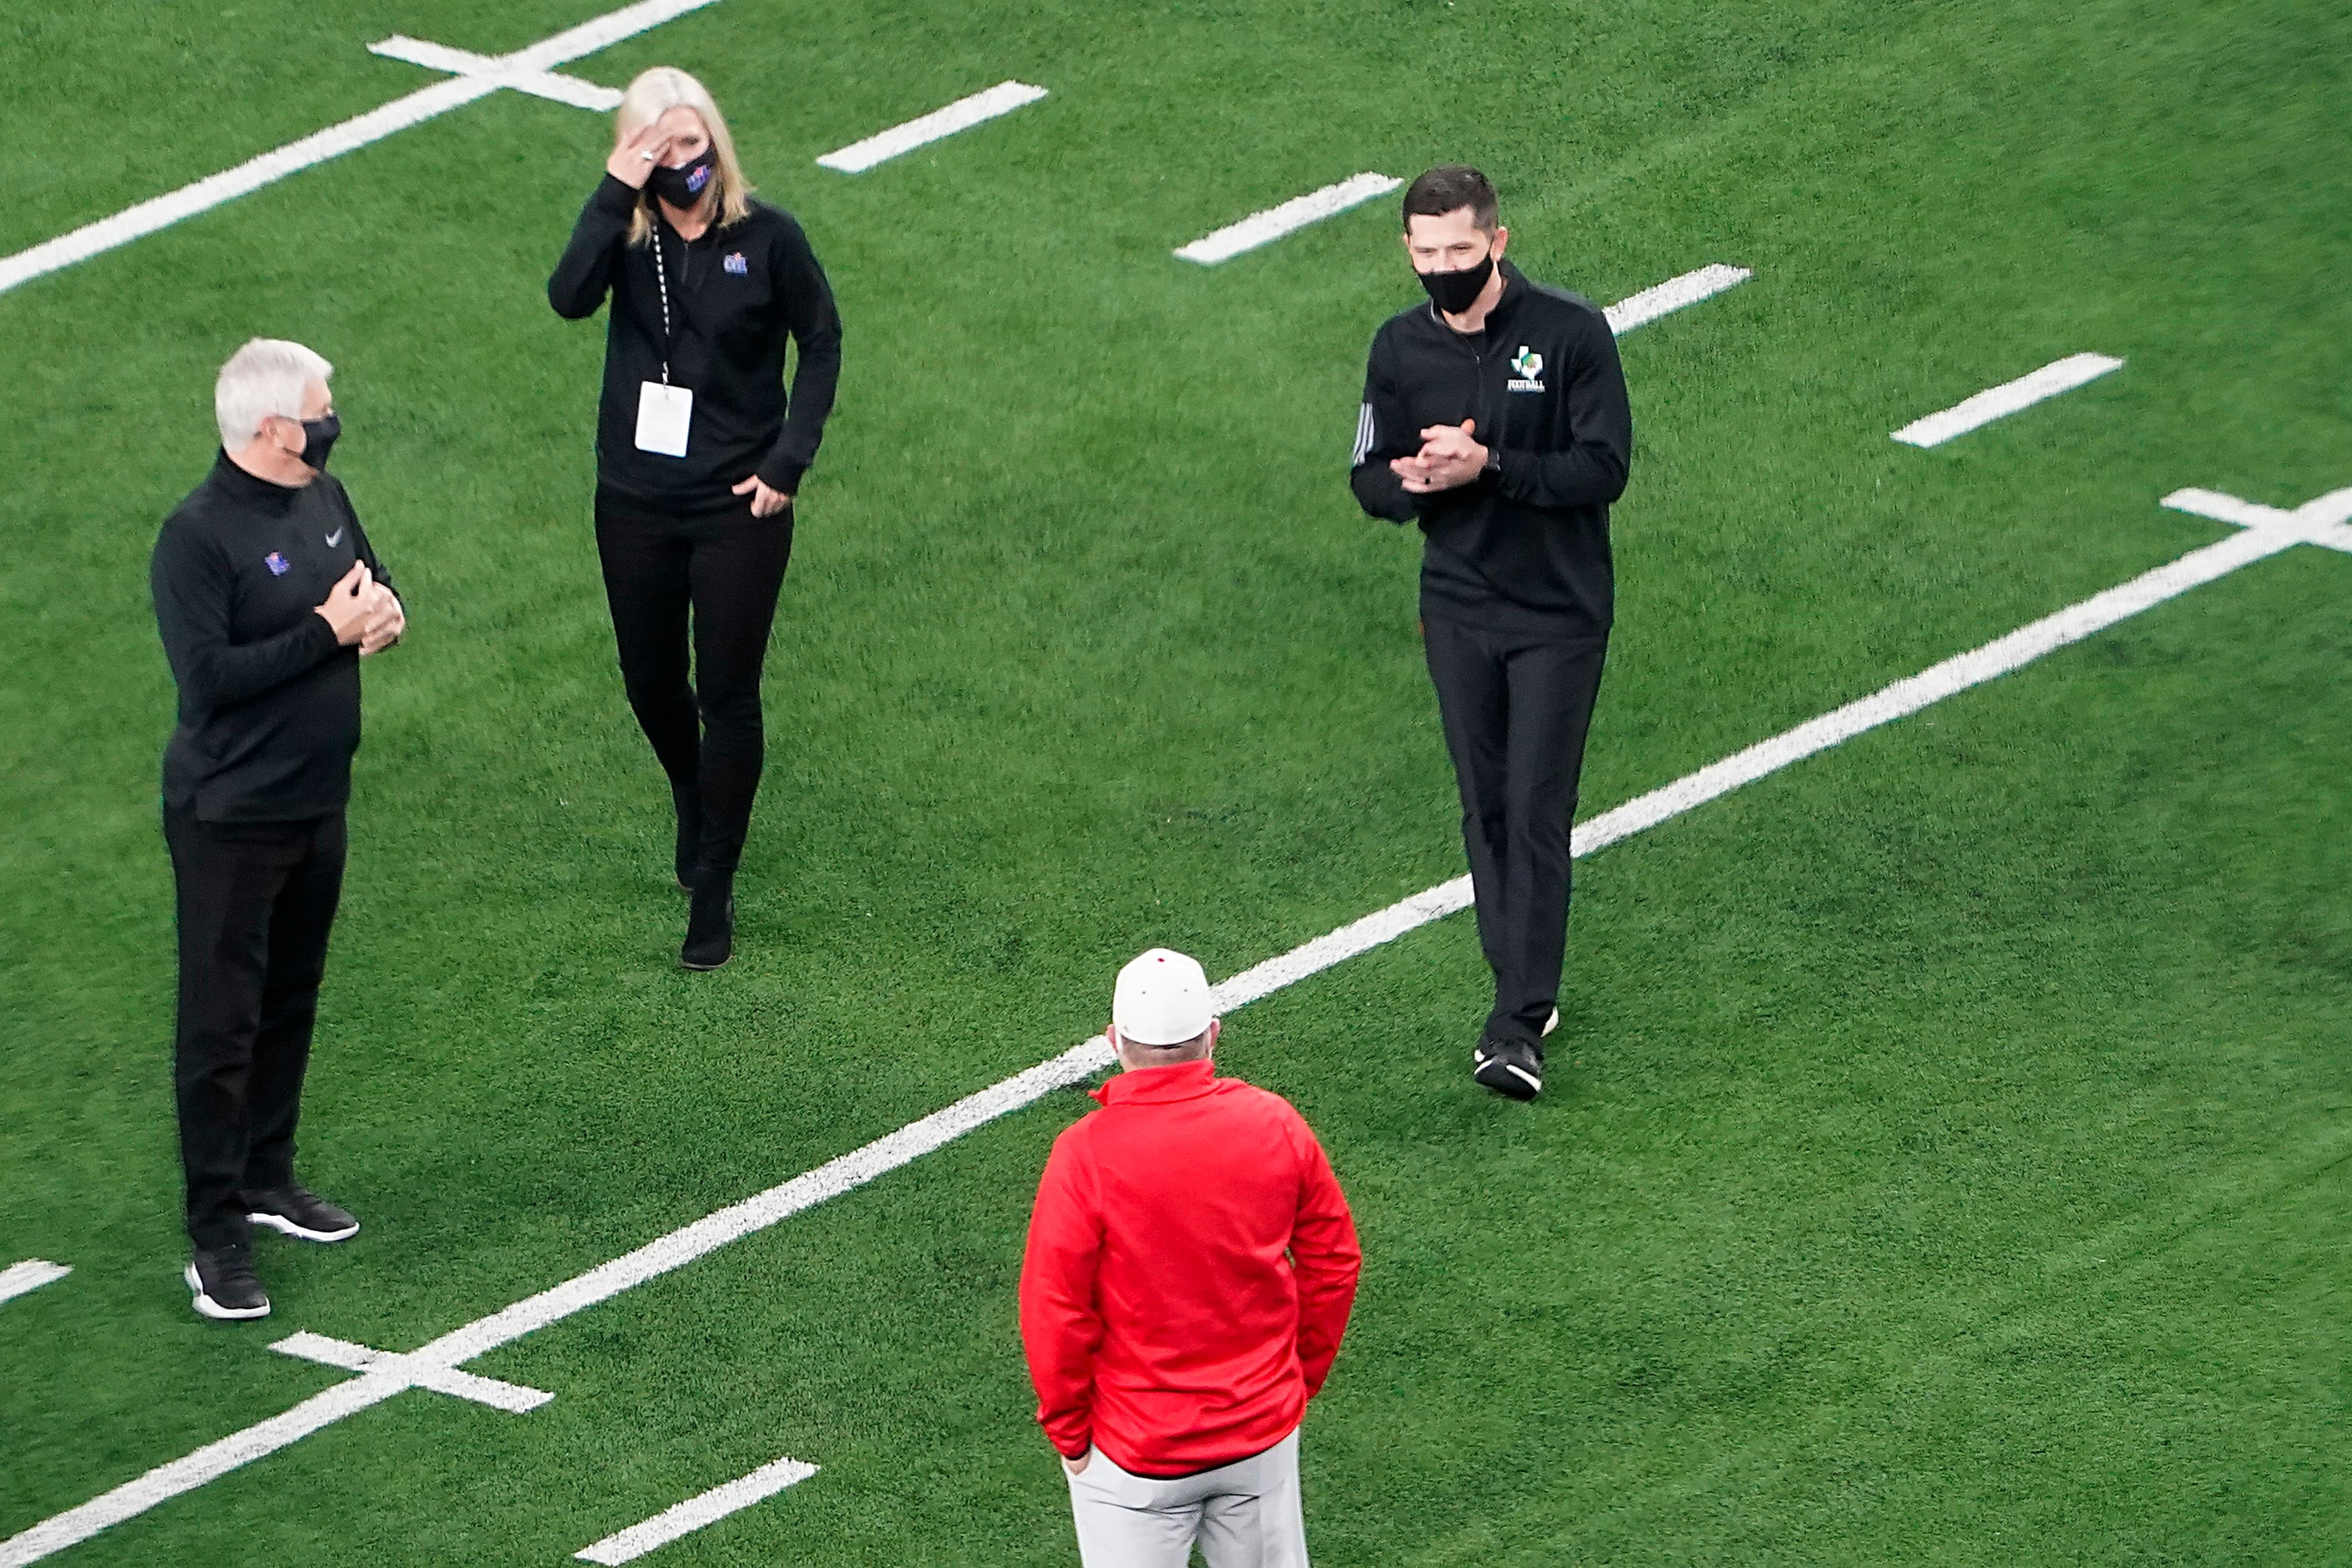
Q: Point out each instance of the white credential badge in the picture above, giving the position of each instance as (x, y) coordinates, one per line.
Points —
(664, 414)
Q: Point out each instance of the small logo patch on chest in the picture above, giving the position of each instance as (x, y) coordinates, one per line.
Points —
(1530, 366)
(736, 264)
(278, 565)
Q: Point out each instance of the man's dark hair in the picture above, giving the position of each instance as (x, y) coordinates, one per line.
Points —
(1449, 188)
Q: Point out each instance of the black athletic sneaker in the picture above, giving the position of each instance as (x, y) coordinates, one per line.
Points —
(711, 925)
(222, 1279)
(1512, 1068)
(299, 1213)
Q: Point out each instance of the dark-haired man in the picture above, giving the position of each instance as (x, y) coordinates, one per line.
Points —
(1496, 416)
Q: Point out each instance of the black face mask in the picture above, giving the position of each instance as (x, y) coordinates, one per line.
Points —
(685, 188)
(319, 439)
(1455, 292)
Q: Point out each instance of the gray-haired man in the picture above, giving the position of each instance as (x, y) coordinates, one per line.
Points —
(267, 595)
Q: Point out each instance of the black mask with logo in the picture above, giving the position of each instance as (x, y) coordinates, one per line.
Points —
(319, 439)
(685, 188)
(1455, 292)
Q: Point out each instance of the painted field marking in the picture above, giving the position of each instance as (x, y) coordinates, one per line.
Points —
(547, 84)
(695, 1512)
(2326, 522)
(489, 1391)
(961, 115)
(1265, 228)
(1998, 402)
(2264, 532)
(29, 1275)
(1706, 283)
(526, 70)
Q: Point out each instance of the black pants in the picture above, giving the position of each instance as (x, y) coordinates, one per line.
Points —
(256, 903)
(715, 576)
(1515, 707)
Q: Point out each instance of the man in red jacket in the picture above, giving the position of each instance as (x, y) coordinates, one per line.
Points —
(1190, 1269)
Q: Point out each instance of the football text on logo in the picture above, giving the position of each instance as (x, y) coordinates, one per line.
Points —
(278, 565)
(1529, 364)
(736, 264)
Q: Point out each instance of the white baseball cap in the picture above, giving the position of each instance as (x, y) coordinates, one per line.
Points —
(1162, 999)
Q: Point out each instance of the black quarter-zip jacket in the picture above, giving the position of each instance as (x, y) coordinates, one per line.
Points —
(735, 294)
(1524, 547)
(269, 702)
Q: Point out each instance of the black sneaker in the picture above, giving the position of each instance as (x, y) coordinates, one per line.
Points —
(299, 1213)
(1512, 1067)
(711, 925)
(222, 1279)
(689, 838)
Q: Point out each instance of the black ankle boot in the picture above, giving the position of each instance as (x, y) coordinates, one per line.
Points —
(711, 925)
(689, 836)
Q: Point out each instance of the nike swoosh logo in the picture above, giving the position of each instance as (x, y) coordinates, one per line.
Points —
(334, 539)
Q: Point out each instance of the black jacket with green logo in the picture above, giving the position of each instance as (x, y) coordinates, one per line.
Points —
(1525, 546)
(736, 294)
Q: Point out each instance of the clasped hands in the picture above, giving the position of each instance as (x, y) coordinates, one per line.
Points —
(1448, 460)
(364, 611)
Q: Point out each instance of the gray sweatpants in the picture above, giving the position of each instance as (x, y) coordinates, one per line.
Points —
(1243, 1515)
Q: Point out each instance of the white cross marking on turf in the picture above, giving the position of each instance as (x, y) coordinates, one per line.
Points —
(411, 1372)
(2322, 521)
(529, 69)
(515, 70)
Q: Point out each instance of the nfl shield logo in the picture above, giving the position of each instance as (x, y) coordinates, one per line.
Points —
(699, 178)
(736, 264)
(278, 565)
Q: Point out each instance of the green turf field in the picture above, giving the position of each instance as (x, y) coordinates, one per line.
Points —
(1953, 1161)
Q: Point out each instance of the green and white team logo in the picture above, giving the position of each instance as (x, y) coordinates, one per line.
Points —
(1529, 364)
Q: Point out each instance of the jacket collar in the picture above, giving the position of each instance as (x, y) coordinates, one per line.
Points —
(250, 490)
(1159, 1086)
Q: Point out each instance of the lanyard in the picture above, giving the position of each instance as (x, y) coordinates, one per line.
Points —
(661, 276)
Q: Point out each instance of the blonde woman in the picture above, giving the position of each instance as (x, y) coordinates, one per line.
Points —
(698, 453)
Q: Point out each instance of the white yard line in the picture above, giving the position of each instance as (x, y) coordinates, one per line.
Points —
(526, 69)
(1998, 401)
(568, 90)
(2323, 522)
(691, 1515)
(2320, 521)
(29, 1275)
(1265, 228)
(961, 115)
(507, 1396)
(1706, 283)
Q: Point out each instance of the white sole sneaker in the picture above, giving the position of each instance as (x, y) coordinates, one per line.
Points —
(1553, 1022)
(207, 1308)
(284, 1226)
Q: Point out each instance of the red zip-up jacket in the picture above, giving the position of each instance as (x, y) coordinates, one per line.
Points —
(1190, 1269)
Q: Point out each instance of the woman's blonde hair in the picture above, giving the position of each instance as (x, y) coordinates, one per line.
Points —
(653, 94)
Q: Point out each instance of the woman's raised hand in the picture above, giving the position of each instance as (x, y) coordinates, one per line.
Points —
(632, 160)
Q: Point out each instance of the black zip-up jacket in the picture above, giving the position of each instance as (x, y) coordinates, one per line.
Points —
(734, 295)
(269, 702)
(1525, 546)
